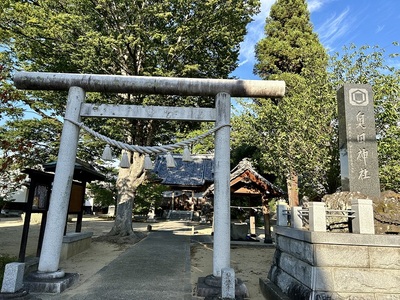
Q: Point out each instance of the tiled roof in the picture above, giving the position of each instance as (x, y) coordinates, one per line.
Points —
(186, 174)
(243, 166)
(83, 171)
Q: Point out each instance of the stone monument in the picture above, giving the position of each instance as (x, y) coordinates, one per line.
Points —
(13, 278)
(357, 140)
(315, 264)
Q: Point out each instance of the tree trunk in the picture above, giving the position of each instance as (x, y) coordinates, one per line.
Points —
(267, 220)
(128, 181)
(293, 189)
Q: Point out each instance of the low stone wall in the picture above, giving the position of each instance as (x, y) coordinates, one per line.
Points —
(322, 265)
(74, 243)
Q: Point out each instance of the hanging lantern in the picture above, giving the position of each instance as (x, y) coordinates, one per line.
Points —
(148, 165)
(124, 161)
(187, 156)
(107, 154)
(170, 161)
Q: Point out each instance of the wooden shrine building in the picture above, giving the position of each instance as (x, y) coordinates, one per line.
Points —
(250, 191)
(187, 181)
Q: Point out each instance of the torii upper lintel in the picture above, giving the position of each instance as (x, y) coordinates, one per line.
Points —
(149, 85)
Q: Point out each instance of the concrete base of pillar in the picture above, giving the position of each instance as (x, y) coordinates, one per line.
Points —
(210, 288)
(39, 283)
(31, 264)
(21, 294)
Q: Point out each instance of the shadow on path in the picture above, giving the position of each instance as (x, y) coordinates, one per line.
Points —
(158, 267)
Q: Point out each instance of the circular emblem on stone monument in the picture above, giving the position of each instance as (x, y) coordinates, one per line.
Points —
(358, 97)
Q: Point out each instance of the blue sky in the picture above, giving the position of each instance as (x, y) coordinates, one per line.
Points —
(338, 23)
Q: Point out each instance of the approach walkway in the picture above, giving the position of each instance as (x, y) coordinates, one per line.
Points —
(158, 267)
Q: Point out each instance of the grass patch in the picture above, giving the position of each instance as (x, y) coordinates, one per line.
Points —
(5, 259)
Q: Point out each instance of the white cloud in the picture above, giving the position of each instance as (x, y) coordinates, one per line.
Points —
(380, 28)
(255, 32)
(264, 11)
(334, 28)
(314, 5)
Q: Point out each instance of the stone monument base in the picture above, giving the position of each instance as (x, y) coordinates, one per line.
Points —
(210, 288)
(37, 283)
(270, 291)
(324, 265)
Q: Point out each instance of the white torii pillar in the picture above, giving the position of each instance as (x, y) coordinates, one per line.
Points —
(59, 199)
(222, 195)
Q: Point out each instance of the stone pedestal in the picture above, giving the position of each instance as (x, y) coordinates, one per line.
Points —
(363, 221)
(13, 277)
(317, 216)
(55, 282)
(239, 231)
(210, 286)
(228, 283)
(74, 243)
(281, 214)
(270, 291)
(295, 217)
(324, 265)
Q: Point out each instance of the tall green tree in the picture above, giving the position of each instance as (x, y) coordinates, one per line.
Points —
(374, 66)
(183, 38)
(294, 133)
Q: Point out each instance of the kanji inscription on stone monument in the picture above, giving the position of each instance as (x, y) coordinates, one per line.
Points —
(357, 140)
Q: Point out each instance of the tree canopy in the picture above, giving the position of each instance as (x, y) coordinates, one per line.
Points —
(182, 38)
(290, 44)
(154, 38)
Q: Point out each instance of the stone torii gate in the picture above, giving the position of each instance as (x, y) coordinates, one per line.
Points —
(79, 84)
